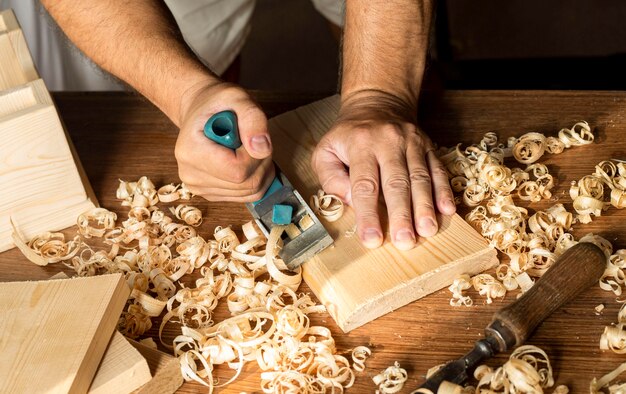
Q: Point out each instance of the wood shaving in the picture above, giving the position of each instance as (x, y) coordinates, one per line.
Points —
(597, 385)
(328, 206)
(359, 355)
(188, 214)
(599, 308)
(595, 193)
(460, 284)
(391, 380)
(46, 248)
(528, 370)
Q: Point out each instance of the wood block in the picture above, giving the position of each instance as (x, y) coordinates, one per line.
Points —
(165, 369)
(19, 48)
(357, 284)
(122, 369)
(44, 190)
(56, 331)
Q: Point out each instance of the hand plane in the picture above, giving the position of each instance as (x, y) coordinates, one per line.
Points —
(281, 204)
(574, 271)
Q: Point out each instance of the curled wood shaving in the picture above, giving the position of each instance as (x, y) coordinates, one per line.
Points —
(528, 370)
(359, 355)
(95, 222)
(391, 380)
(597, 385)
(460, 284)
(328, 206)
(188, 214)
(46, 248)
(488, 286)
(595, 193)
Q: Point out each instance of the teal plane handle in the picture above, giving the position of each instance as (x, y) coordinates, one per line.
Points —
(222, 128)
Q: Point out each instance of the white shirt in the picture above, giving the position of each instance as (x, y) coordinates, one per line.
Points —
(216, 30)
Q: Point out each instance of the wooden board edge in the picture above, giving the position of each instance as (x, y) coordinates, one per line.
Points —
(100, 342)
(20, 47)
(165, 369)
(8, 21)
(417, 288)
(120, 381)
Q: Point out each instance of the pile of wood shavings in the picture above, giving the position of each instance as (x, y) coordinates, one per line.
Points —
(532, 242)
(269, 323)
(595, 193)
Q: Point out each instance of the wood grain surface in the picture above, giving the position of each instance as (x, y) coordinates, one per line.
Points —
(121, 136)
(56, 331)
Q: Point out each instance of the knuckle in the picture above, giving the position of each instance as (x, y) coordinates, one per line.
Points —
(366, 215)
(419, 176)
(399, 216)
(398, 183)
(438, 171)
(254, 184)
(423, 207)
(238, 175)
(364, 186)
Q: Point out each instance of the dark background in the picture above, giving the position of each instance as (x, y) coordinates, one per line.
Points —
(479, 44)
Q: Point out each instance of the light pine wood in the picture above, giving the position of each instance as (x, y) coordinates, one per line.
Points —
(122, 369)
(59, 330)
(45, 187)
(11, 72)
(10, 26)
(357, 284)
(165, 369)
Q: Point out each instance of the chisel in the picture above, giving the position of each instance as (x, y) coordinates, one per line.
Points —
(574, 271)
(281, 204)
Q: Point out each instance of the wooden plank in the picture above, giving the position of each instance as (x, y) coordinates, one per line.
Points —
(10, 26)
(165, 370)
(122, 369)
(11, 72)
(59, 330)
(45, 190)
(357, 284)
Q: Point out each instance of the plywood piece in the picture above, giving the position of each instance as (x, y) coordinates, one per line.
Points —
(42, 187)
(122, 369)
(355, 283)
(55, 332)
(165, 370)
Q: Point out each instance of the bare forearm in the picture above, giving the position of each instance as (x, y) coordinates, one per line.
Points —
(384, 48)
(138, 42)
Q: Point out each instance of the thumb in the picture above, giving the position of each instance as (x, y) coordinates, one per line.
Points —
(254, 132)
(332, 174)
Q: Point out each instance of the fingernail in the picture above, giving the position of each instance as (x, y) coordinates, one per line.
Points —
(260, 143)
(371, 238)
(449, 205)
(405, 239)
(427, 227)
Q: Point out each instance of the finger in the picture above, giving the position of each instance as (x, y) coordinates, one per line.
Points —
(365, 183)
(396, 188)
(332, 174)
(421, 191)
(252, 189)
(253, 130)
(443, 193)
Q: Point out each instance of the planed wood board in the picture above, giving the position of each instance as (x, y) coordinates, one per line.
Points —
(55, 332)
(122, 369)
(45, 187)
(166, 374)
(357, 284)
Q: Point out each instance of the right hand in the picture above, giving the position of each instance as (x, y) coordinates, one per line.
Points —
(213, 171)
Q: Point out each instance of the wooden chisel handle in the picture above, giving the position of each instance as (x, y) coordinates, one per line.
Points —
(574, 271)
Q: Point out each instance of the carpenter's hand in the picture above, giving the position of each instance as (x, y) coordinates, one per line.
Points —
(374, 145)
(216, 172)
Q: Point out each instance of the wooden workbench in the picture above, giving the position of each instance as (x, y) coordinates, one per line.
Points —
(122, 136)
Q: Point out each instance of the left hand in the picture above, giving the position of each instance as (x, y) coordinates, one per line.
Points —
(375, 143)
